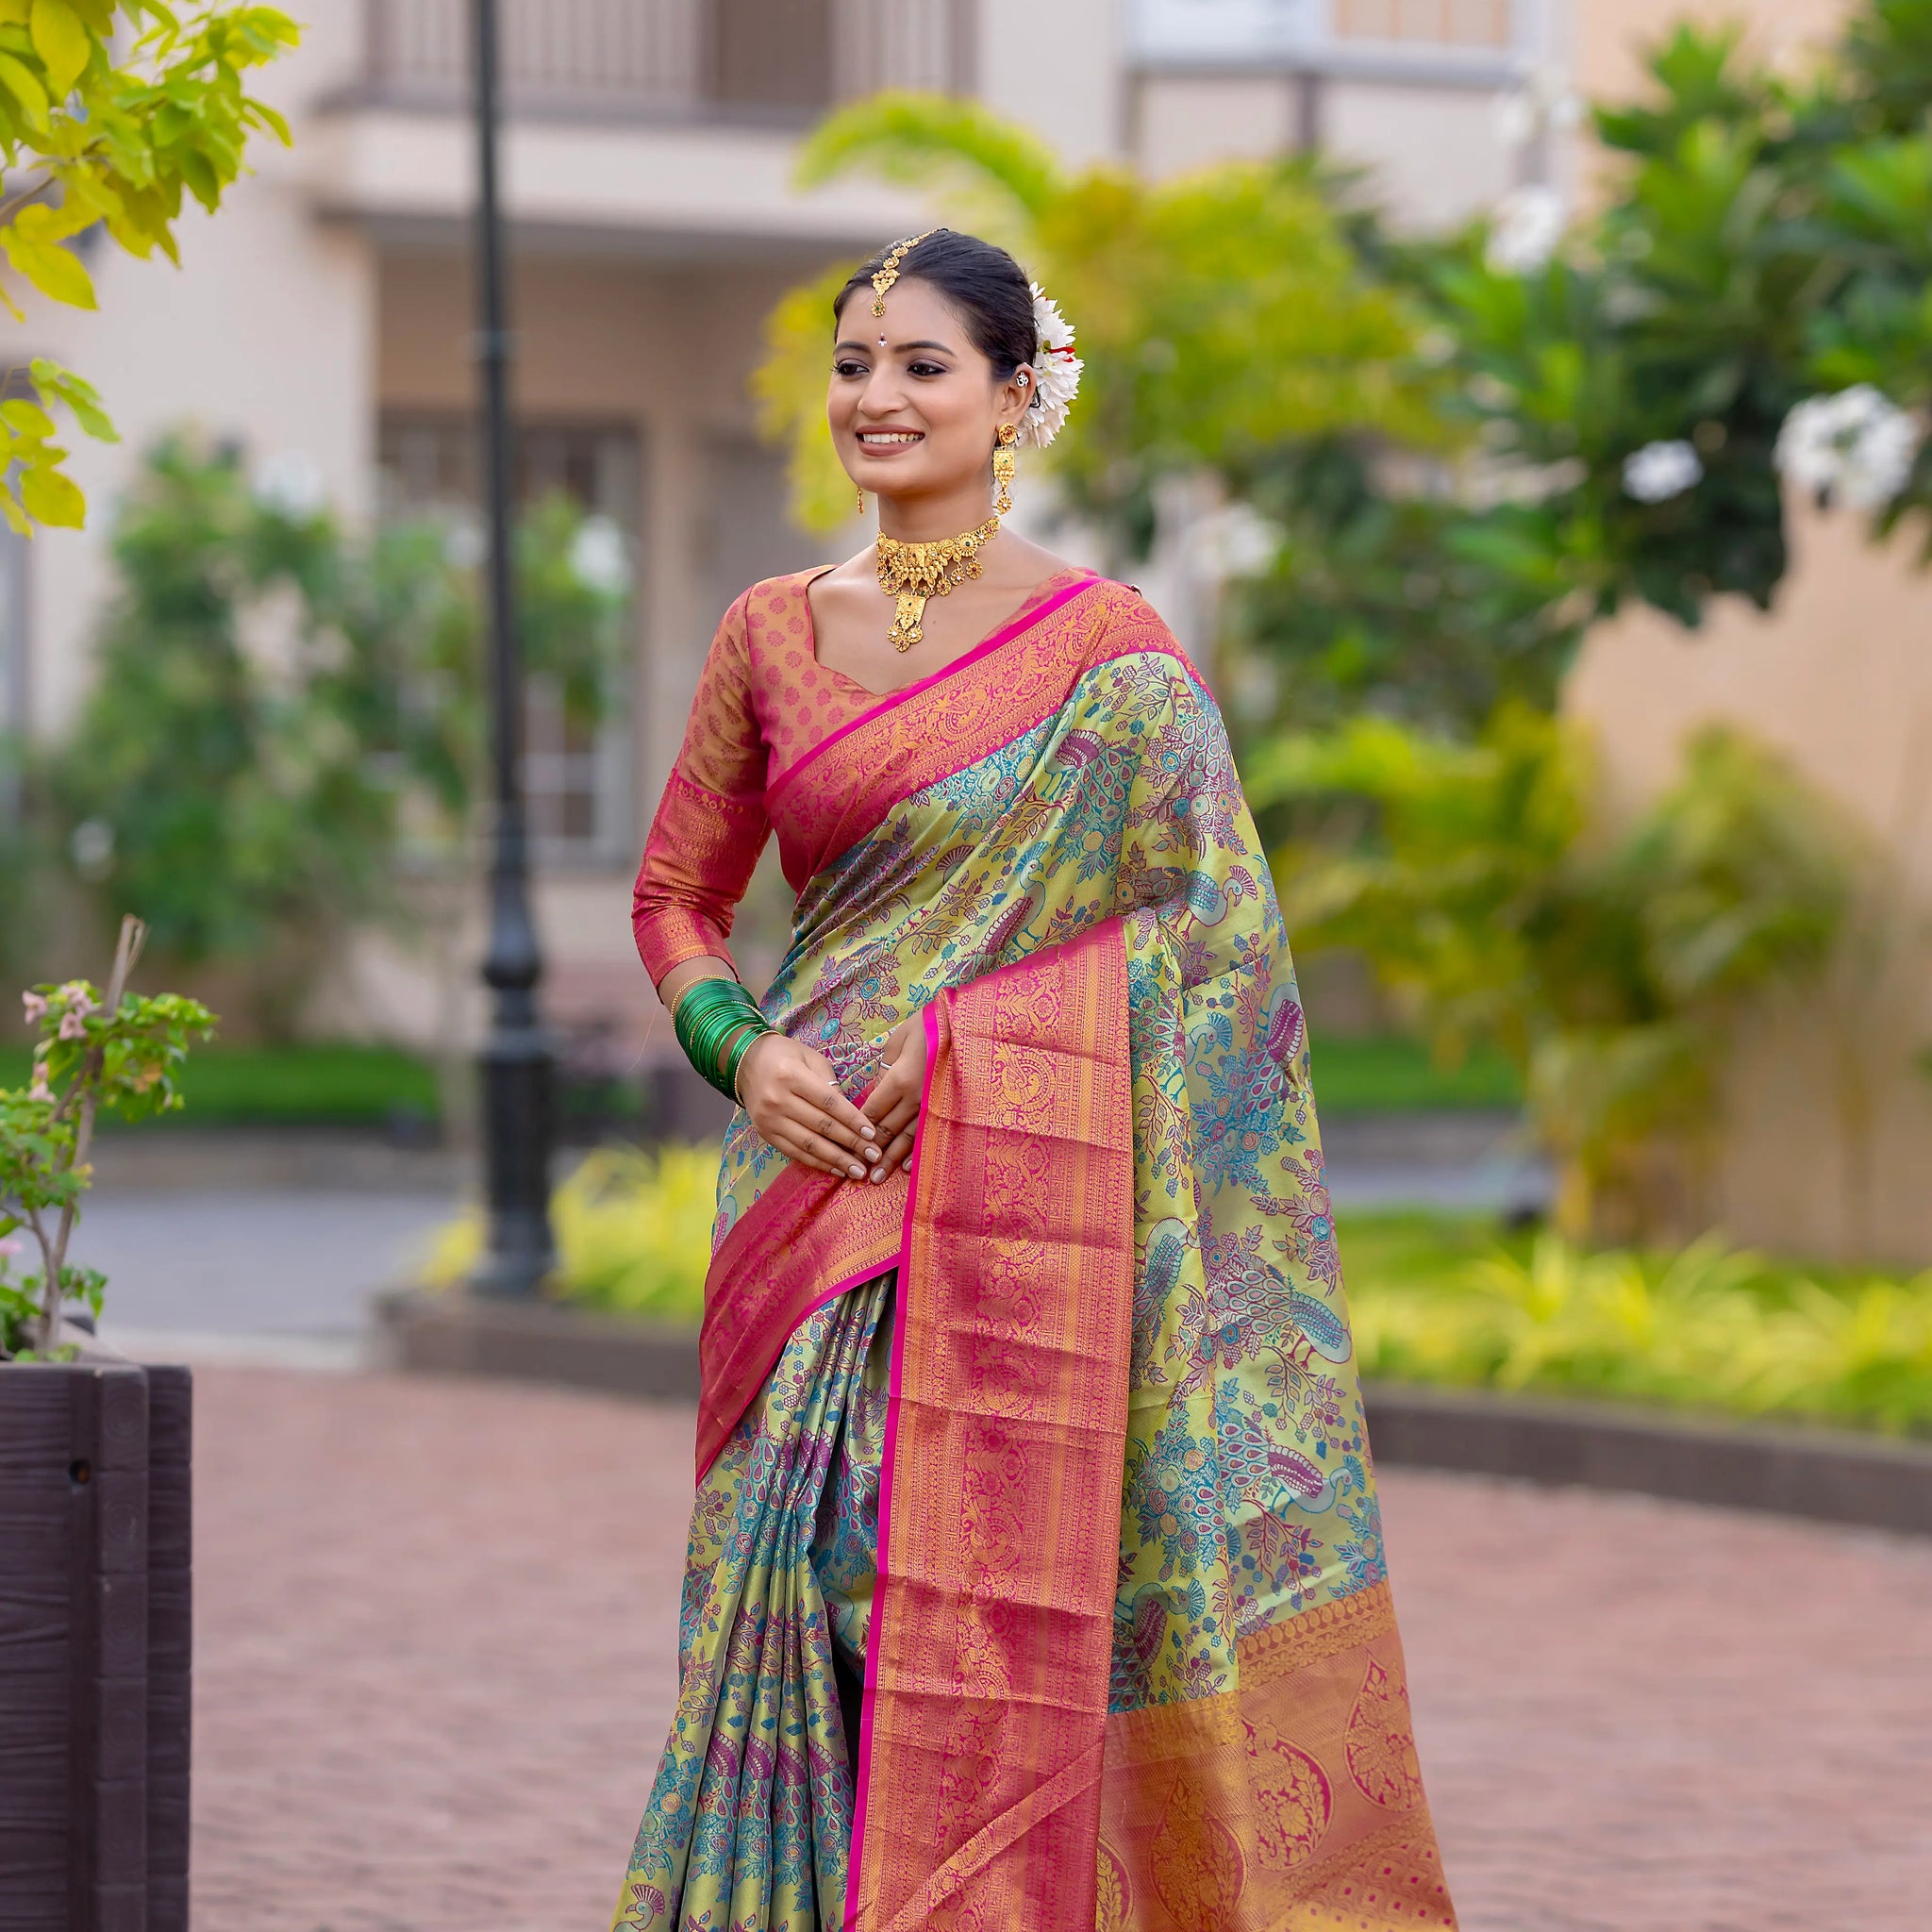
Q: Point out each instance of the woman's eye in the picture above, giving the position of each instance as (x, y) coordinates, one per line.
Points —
(927, 368)
(848, 369)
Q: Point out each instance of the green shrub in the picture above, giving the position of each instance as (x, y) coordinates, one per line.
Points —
(1442, 1299)
(633, 1234)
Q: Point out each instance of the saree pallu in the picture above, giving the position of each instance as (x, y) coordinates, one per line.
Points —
(1056, 1440)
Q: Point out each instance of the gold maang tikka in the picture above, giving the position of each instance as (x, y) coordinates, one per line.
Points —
(888, 269)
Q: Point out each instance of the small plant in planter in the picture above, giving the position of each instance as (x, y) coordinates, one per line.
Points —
(121, 1051)
(95, 1491)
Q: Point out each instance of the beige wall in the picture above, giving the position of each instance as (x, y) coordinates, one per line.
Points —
(1435, 155)
(1055, 66)
(1182, 121)
(1608, 36)
(1839, 677)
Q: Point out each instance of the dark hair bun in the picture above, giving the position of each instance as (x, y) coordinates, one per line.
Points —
(984, 284)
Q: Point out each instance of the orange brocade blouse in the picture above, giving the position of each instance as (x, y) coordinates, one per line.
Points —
(764, 704)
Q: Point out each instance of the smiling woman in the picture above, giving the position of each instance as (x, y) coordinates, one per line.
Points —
(1035, 1576)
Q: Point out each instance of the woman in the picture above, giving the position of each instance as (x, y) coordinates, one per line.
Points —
(1035, 1576)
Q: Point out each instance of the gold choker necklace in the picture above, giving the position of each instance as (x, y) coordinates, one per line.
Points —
(914, 571)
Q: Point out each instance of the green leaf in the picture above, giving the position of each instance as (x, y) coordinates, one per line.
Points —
(203, 183)
(25, 85)
(51, 498)
(63, 42)
(55, 271)
(28, 417)
(79, 395)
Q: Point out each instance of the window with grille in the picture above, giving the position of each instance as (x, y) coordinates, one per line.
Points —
(577, 778)
(1428, 23)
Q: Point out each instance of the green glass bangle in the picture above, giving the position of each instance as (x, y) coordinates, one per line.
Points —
(716, 1020)
(734, 1056)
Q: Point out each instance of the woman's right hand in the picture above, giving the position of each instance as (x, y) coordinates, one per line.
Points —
(792, 1097)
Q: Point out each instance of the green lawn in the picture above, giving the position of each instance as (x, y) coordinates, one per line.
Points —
(326, 1084)
(335, 1084)
(1391, 1073)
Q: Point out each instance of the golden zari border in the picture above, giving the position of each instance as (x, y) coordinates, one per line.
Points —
(1293, 1801)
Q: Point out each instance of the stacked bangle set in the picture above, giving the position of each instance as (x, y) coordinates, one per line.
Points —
(716, 1022)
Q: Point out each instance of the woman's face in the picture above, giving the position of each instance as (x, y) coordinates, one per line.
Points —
(913, 405)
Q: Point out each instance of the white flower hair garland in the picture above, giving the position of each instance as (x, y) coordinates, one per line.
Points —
(1055, 370)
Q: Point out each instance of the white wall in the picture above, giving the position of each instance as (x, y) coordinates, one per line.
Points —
(1435, 155)
(265, 333)
(1056, 65)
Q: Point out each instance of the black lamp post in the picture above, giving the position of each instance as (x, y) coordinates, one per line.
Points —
(516, 1061)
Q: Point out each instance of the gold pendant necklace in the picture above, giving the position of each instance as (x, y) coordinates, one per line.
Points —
(914, 571)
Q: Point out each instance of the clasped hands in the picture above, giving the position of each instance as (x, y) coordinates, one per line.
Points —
(792, 1097)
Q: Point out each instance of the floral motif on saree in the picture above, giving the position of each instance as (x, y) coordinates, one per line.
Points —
(1056, 1442)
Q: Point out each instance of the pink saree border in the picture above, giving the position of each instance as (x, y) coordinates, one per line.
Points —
(888, 1455)
(1028, 614)
(822, 1233)
(1030, 1561)
(964, 717)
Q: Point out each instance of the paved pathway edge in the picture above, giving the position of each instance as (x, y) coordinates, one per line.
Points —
(1829, 1476)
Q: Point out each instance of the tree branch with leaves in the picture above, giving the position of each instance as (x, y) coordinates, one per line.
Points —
(110, 112)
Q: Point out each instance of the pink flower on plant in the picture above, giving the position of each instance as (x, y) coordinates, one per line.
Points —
(74, 1024)
(12, 1245)
(36, 1005)
(77, 996)
(39, 1090)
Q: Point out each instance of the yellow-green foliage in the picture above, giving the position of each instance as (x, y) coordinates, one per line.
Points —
(1709, 1328)
(633, 1233)
(120, 108)
(1612, 964)
(1215, 312)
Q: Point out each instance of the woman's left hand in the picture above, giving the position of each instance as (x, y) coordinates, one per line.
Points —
(893, 1105)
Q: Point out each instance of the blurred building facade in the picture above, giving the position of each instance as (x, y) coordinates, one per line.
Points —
(323, 321)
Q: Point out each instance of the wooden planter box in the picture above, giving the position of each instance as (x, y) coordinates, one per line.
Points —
(94, 1647)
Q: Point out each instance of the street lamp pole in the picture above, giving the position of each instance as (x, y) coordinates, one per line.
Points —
(516, 1061)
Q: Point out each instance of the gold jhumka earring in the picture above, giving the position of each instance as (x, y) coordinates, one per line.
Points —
(861, 495)
(1002, 464)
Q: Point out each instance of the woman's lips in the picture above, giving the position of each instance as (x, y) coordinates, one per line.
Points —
(887, 442)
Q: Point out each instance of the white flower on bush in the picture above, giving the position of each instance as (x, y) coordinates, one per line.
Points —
(1524, 235)
(1660, 470)
(1858, 444)
(290, 484)
(597, 558)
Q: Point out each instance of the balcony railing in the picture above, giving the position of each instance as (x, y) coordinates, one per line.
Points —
(782, 59)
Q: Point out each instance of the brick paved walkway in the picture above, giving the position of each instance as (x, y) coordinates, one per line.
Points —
(436, 1635)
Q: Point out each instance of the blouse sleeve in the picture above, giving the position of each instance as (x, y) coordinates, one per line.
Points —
(710, 824)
